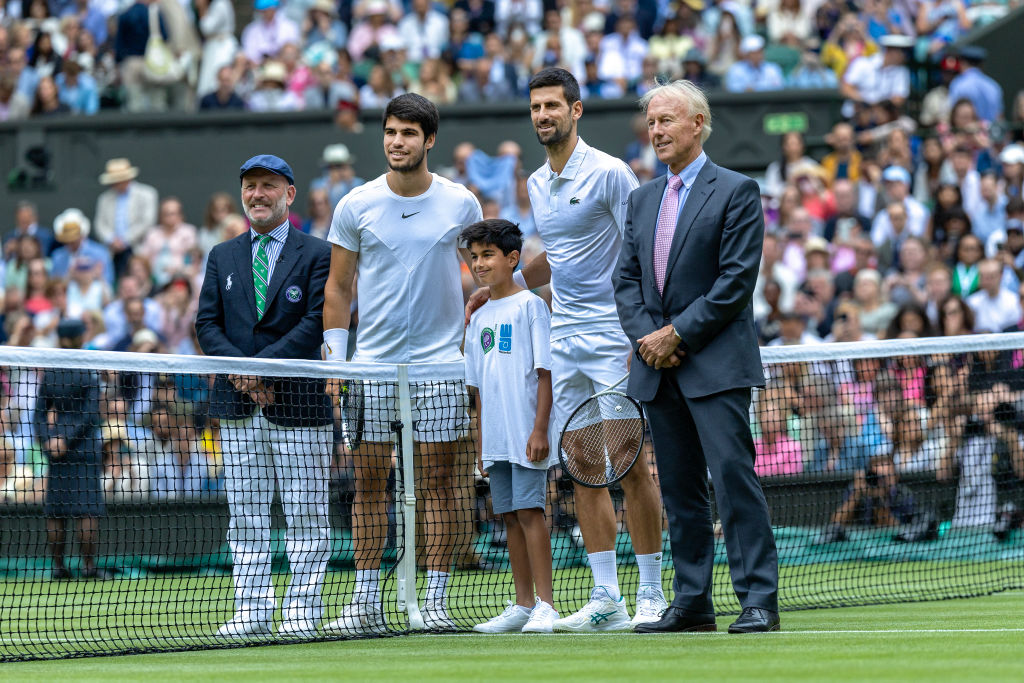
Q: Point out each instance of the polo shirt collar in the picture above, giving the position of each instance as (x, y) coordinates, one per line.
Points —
(572, 166)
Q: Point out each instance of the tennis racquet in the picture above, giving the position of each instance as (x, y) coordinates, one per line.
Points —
(353, 416)
(602, 438)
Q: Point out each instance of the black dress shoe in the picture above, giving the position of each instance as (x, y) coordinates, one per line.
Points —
(755, 620)
(97, 574)
(675, 620)
(60, 573)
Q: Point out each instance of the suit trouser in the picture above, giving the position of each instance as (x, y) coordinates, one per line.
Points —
(256, 454)
(692, 436)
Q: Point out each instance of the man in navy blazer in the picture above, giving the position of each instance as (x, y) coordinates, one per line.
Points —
(683, 287)
(263, 297)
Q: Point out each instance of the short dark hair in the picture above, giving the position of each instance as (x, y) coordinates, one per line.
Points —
(503, 234)
(414, 109)
(554, 75)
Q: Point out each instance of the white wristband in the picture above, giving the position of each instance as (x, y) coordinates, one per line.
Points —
(519, 279)
(336, 344)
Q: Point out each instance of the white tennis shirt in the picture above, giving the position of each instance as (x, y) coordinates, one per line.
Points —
(581, 214)
(409, 290)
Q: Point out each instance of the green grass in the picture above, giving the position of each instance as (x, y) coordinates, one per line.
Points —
(969, 646)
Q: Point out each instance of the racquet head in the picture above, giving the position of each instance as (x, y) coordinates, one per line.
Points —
(602, 439)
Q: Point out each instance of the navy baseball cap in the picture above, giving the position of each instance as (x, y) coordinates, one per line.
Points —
(70, 328)
(270, 163)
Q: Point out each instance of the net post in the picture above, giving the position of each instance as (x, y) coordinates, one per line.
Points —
(407, 495)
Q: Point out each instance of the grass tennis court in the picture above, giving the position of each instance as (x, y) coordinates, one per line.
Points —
(955, 640)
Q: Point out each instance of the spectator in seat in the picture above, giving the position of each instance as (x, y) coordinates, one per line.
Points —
(216, 23)
(77, 89)
(988, 216)
(339, 177)
(969, 253)
(897, 180)
(323, 26)
(1007, 245)
(695, 70)
(177, 468)
(938, 286)
(224, 97)
(811, 74)
(876, 310)
(955, 317)
(268, 32)
(168, 244)
(122, 320)
(846, 325)
(843, 162)
(752, 72)
(870, 80)
(371, 32)
(26, 222)
(124, 211)
(793, 154)
(975, 85)
(995, 308)
(424, 31)
(125, 477)
(270, 93)
(778, 454)
(72, 231)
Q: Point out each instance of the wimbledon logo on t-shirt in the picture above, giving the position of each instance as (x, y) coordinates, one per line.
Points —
(487, 339)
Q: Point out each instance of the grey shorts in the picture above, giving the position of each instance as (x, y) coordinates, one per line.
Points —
(514, 487)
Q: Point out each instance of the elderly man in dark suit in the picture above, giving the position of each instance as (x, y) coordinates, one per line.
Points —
(263, 297)
(67, 426)
(683, 288)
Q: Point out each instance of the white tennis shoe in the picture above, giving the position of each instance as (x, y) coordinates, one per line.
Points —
(435, 616)
(297, 628)
(358, 618)
(244, 625)
(602, 613)
(512, 620)
(650, 605)
(541, 618)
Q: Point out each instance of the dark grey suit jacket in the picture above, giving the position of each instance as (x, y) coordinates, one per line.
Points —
(709, 282)
(291, 326)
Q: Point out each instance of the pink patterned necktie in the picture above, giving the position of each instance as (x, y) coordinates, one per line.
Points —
(667, 219)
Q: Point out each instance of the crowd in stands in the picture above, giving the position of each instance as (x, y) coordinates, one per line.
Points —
(81, 56)
(910, 225)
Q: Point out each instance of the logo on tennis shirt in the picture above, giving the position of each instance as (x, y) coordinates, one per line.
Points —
(409, 215)
(574, 200)
(293, 294)
(487, 339)
(505, 338)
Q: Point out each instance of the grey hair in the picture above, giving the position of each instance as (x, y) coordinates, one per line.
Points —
(687, 93)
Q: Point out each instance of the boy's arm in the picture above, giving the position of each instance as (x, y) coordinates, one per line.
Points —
(480, 435)
(537, 447)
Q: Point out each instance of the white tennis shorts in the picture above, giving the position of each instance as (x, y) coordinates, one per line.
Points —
(581, 366)
(439, 411)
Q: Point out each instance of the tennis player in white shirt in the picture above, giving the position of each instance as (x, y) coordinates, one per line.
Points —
(400, 232)
(579, 206)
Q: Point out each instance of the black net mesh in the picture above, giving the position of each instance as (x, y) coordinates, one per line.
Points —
(138, 512)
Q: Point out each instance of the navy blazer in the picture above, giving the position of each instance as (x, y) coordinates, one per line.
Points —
(709, 283)
(291, 327)
(73, 395)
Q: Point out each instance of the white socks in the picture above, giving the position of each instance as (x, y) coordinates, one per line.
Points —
(605, 571)
(650, 569)
(368, 586)
(437, 585)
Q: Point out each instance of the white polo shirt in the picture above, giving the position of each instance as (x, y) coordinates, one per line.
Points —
(580, 215)
(410, 288)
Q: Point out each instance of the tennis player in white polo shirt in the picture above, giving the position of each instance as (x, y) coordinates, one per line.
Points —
(400, 232)
(579, 205)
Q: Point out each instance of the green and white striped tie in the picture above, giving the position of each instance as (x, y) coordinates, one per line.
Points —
(261, 276)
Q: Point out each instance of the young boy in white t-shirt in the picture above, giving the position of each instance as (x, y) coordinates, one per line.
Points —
(508, 361)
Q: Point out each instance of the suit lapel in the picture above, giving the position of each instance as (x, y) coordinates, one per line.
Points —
(285, 262)
(241, 251)
(699, 193)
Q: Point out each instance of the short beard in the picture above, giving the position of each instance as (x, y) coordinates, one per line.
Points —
(557, 138)
(276, 218)
(411, 166)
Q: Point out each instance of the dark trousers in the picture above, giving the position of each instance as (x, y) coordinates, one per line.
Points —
(692, 436)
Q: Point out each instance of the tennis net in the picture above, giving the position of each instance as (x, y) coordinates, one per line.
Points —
(893, 471)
